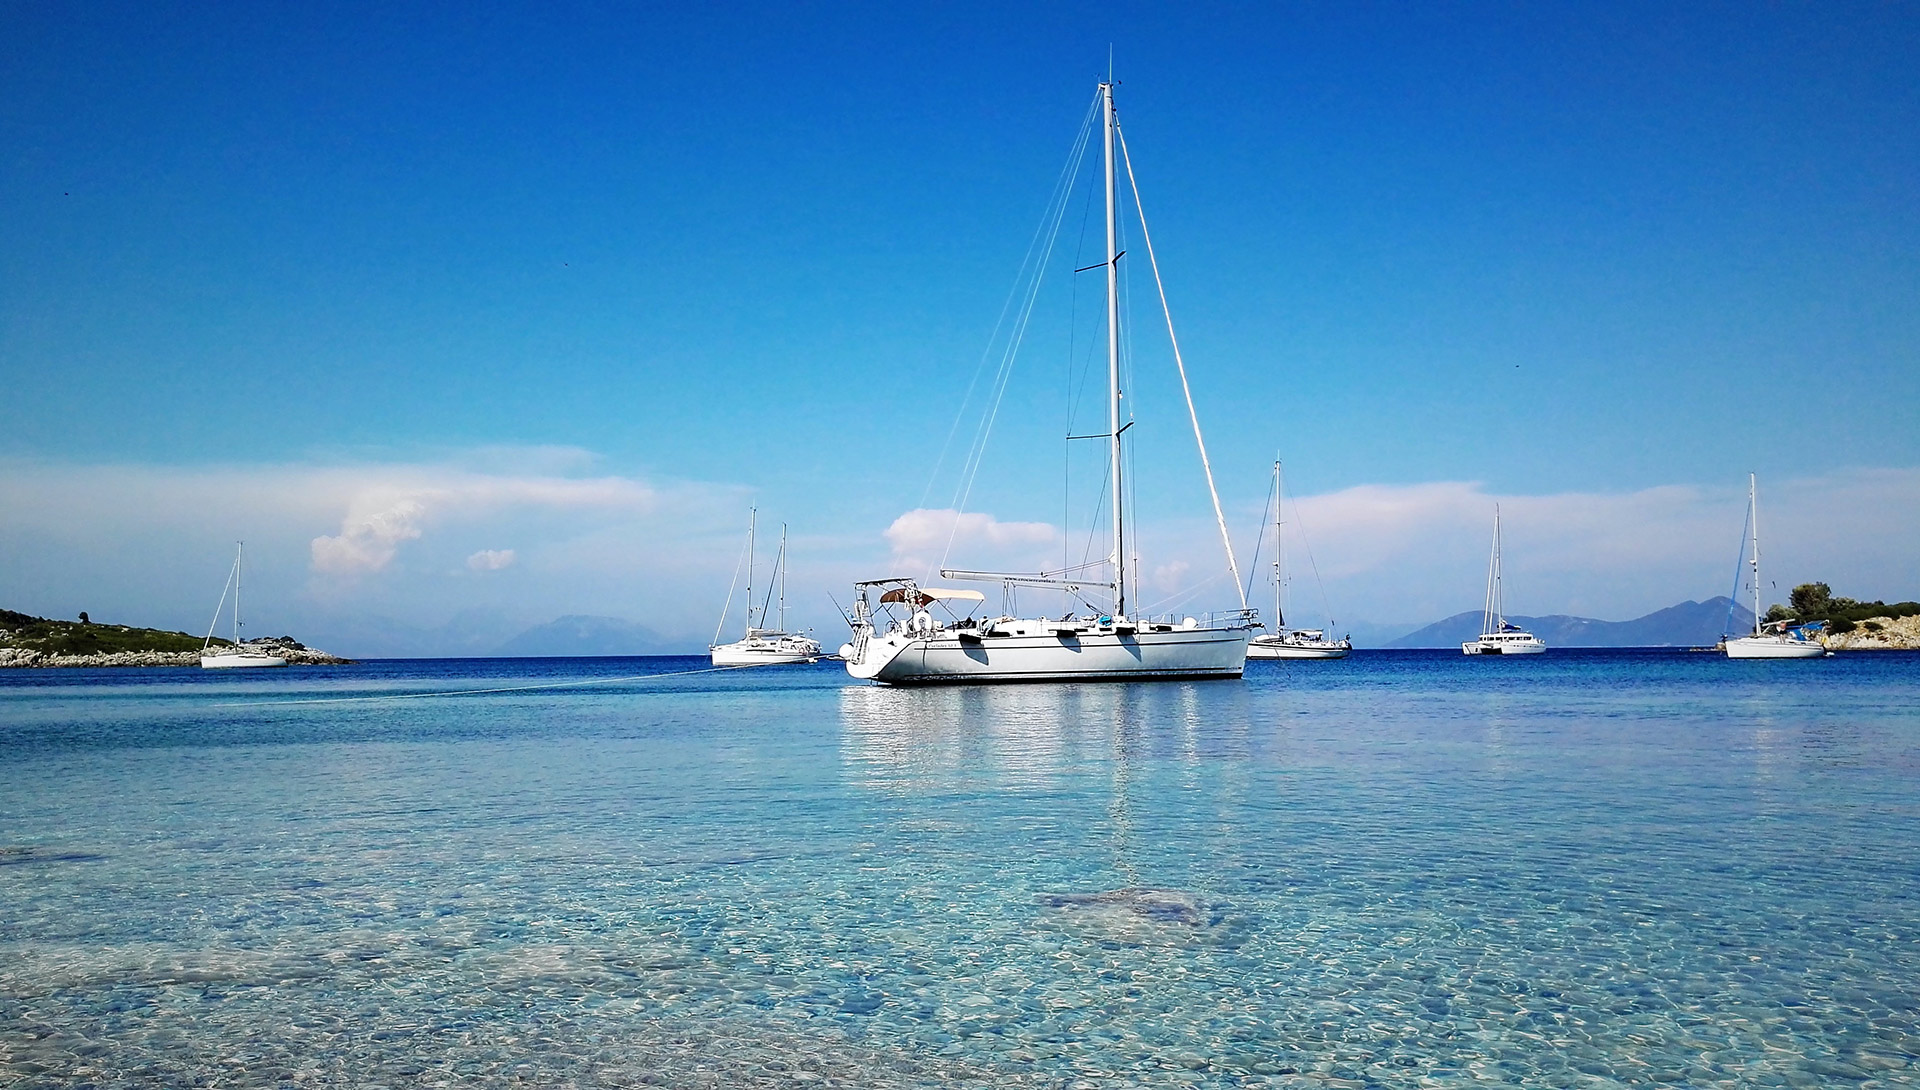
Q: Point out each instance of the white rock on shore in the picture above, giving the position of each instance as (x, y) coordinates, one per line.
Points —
(1891, 634)
(28, 657)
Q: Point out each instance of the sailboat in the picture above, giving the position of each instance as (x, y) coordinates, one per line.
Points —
(238, 655)
(761, 646)
(1284, 642)
(1497, 635)
(1778, 640)
(897, 640)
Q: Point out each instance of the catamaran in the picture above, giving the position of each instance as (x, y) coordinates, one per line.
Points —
(237, 655)
(1497, 635)
(1778, 640)
(897, 639)
(761, 646)
(1284, 642)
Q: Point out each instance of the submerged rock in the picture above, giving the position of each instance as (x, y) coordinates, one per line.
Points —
(1166, 906)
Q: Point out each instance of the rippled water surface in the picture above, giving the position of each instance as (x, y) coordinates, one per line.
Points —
(1404, 869)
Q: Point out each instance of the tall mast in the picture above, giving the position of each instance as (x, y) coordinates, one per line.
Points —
(236, 592)
(1493, 576)
(1499, 595)
(783, 577)
(751, 512)
(1279, 547)
(1113, 358)
(1753, 511)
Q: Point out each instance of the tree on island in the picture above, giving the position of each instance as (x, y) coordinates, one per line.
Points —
(1812, 602)
(83, 617)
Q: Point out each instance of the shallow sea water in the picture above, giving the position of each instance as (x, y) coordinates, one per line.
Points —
(1401, 870)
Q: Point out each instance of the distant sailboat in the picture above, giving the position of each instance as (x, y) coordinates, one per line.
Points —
(239, 655)
(1778, 640)
(1497, 636)
(1284, 642)
(762, 646)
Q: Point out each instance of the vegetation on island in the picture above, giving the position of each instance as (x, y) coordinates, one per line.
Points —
(1810, 602)
(85, 637)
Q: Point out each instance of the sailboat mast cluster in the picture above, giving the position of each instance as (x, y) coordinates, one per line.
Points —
(760, 645)
(1284, 642)
(1497, 635)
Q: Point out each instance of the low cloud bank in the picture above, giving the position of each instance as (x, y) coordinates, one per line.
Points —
(364, 548)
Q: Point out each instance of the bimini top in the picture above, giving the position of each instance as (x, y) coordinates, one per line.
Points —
(920, 597)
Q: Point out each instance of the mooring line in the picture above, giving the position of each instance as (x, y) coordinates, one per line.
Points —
(480, 692)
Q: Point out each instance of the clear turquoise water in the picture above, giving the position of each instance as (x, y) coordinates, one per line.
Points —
(1401, 870)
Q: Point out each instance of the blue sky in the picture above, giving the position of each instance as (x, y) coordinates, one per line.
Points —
(755, 255)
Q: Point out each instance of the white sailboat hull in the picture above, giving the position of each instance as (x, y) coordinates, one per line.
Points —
(944, 657)
(236, 661)
(742, 654)
(1773, 647)
(1268, 647)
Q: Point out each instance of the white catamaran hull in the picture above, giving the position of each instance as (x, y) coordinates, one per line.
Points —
(238, 662)
(1529, 646)
(1773, 647)
(945, 657)
(1278, 650)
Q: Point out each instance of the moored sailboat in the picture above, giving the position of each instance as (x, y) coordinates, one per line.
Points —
(1498, 636)
(1778, 640)
(759, 645)
(237, 655)
(1284, 642)
(897, 639)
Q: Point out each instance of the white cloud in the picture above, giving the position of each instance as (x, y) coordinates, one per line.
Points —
(490, 560)
(389, 512)
(924, 539)
(1419, 552)
(367, 543)
(358, 546)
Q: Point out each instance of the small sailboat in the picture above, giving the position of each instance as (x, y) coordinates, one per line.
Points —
(761, 646)
(1778, 640)
(1497, 635)
(1284, 642)
(237, 655)
(1097, 639)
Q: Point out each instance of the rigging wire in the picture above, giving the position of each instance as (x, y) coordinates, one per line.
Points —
(1326, 604)
(1031, 272)
(1027, 262)
(215, 623)
(1739, 572)
(735, 581)
(1147, 237)
(1253, 565)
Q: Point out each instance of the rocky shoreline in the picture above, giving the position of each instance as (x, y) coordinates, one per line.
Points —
(296, 655)
(1878, 634)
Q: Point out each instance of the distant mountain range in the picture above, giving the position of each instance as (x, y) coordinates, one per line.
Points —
(578, 634)
(482, 633)
(1689, 624)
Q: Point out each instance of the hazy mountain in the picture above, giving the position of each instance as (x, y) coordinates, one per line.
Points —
(1371, 634)
(471, 633)
(585, 635)
(1689, 624)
